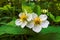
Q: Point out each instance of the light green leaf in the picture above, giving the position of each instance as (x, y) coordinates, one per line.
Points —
(27, 8)
(57, 18)
(6, 7)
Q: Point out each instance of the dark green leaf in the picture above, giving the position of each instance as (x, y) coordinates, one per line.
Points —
(11, 28)
(37, 9)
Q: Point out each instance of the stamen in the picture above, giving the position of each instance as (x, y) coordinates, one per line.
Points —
(23, 17)
(37, 20)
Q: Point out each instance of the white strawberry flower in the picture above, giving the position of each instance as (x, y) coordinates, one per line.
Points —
(24, 18)
(38, 23)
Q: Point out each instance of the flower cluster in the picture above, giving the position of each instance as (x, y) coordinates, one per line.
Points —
(32, 21)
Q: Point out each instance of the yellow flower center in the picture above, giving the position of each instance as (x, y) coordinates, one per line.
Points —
(37, 20)
(23, 17)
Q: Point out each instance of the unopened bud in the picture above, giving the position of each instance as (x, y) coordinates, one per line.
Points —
(44, 10)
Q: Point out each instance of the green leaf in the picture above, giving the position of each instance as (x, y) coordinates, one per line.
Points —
(48, 36)
(37, 9)
(11, 28)
(49, 33)
(14, 30)
(18, 30)
(51, 29)
(6, 7)
(57, 18)
(1, 8)
(51, 16)
(32, 5)
(27, 8)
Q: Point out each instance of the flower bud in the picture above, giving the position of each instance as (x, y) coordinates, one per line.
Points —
(44, 10)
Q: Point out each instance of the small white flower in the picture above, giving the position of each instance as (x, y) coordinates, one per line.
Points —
(23, 19)
(38, 23)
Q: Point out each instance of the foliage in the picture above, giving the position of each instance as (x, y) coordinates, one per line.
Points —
(9, 13)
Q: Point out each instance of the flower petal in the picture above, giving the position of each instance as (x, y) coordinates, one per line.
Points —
(29, 17)
(18, 22)
(23, 12)
(45, 24)
(20, 14)
(23, 24)
(34, 15)
(30, 25)
(37, 28)
(43, 17)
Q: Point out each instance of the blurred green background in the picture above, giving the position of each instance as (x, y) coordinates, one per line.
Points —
(9, 10)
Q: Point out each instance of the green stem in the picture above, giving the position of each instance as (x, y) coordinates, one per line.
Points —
(29, 1)
(25, 36)
(22, 38)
